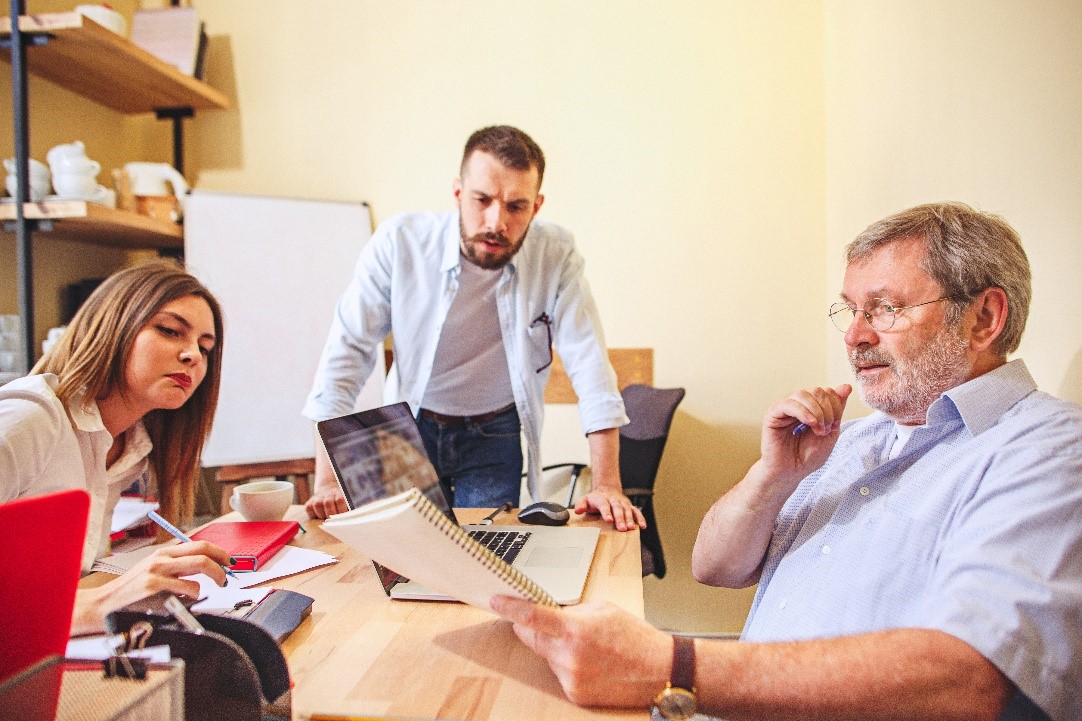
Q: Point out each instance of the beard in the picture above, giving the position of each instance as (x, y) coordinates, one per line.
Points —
(912, 384)
(477, 251)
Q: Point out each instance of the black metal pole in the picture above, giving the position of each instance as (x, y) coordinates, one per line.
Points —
(23, 240)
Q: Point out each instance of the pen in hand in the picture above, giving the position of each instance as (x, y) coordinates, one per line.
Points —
(179, 535)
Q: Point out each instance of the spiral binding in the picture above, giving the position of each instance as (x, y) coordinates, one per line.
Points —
(503, 570)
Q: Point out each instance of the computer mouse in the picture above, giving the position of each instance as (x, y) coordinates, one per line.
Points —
(544, 513)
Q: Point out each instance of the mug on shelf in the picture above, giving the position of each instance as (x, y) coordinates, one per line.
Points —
(40, 182)
(10, 343)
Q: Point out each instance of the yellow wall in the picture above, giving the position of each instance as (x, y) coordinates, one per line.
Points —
(712, 157)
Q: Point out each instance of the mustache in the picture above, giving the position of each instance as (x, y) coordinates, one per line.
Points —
(870, 355)
(498, 238)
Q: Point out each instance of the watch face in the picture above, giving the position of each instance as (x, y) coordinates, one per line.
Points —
(676, 704)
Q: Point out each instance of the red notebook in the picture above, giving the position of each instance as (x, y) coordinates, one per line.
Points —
(251, 543)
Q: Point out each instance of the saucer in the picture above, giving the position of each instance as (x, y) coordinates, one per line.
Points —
(102, 196)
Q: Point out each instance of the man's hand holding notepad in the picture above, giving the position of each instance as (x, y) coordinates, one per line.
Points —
(407, 533)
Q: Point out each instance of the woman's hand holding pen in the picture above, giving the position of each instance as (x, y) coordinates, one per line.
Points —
(160, 571)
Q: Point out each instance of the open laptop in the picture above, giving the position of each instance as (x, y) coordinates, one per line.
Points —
(41, 543)
(379, 453)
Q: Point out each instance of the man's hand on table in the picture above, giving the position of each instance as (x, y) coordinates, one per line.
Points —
(613, 507)
(600, 654)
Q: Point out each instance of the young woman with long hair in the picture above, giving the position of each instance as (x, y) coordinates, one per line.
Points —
(128, 392)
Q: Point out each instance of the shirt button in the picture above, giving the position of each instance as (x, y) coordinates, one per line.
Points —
(864, 490)
(826, 550)
(781, 605)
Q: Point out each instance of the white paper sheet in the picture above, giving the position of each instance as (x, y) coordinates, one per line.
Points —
(130, 511)
(288, 561)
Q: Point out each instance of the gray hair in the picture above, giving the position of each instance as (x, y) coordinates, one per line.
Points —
(966, 251)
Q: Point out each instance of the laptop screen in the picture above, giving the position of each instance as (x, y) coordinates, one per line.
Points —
(41, 543)
(379, 453)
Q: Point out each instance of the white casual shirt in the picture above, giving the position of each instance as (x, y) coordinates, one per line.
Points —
(43, 451)
(405, 280)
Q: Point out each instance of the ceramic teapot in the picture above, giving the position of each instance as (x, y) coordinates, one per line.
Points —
(152, 179)
(68, 155)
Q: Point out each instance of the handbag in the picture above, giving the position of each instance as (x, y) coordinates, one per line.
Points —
(232, 668)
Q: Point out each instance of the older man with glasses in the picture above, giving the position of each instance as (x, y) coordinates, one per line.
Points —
(924, 562)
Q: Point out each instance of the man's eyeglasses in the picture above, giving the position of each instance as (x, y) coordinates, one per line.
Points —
(881, 317)
(545, 319)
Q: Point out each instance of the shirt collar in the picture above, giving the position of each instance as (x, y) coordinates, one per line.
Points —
(452, 255)
(85, 415)
(87, 418)
(981, 402)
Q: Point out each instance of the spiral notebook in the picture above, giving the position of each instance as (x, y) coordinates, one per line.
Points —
(440, 554)
(378, 456)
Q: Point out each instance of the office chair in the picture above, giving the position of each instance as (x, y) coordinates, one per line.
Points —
(642, 442)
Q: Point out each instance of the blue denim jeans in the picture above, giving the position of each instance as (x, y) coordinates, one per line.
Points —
(479, 464)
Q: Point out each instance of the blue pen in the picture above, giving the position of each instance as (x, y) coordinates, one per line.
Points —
(179, 535)
(799, 428)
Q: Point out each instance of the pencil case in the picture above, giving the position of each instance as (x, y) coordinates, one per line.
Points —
(233, 669)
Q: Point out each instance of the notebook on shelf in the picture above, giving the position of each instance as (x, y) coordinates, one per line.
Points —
(251, 543)
(378, 457)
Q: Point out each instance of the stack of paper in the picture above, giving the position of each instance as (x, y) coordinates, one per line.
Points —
(131, 511)
(173, 34)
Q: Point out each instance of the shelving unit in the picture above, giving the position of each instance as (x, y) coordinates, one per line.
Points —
(76, 53)
(94, 224)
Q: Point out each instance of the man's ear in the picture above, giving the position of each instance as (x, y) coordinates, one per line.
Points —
(988, 316)
(456, 189)
(537, 203)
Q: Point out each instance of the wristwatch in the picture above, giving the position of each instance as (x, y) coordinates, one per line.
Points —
(677, 700)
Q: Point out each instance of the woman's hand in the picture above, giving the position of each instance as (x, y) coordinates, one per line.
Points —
(160, 571)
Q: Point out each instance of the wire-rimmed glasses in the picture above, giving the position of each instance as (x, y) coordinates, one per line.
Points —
(881, 317)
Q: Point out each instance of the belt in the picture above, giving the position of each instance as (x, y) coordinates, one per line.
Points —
(463, 420)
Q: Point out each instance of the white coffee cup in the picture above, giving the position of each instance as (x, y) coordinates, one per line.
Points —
(262, 500)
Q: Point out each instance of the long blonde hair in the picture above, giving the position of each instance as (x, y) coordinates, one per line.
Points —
(90, 359)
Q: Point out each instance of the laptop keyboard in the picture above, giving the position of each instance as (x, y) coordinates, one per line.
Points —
(505, 544)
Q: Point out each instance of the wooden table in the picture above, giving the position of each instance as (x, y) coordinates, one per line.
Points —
(362, 653)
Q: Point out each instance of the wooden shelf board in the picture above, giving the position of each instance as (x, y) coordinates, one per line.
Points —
(85, 222)
(98, 64)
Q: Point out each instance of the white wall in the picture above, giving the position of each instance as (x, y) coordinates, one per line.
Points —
(973, 101)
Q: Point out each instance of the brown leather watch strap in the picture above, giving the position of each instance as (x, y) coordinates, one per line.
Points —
(683, 663)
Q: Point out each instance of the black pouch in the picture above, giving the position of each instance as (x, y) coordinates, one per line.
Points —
(232, 669)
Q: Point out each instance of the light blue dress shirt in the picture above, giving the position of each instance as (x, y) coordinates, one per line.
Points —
(974, 529)
(404, 282)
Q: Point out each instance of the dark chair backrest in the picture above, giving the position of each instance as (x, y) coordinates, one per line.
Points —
(642, 442)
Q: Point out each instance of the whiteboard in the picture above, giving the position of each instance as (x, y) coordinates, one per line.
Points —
(278, 267)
